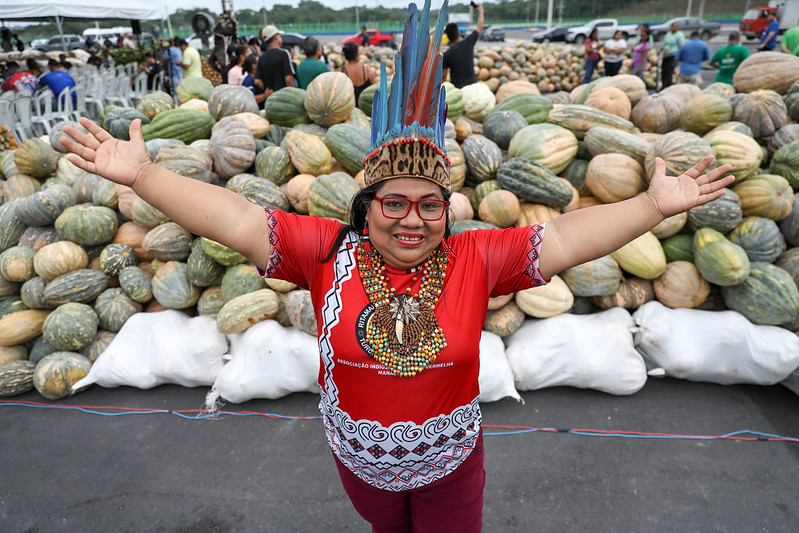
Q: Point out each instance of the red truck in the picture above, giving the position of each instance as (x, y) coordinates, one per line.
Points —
(755, 19)
(376, 38)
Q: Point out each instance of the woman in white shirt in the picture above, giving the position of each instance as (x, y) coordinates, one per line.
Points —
(236, 74)
(614, 53)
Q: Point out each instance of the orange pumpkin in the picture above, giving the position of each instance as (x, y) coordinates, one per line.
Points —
(612, 100)
(614, 177)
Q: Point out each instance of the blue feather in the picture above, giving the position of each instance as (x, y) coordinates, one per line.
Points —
(408, 52)
(442, 119)
(395, 98)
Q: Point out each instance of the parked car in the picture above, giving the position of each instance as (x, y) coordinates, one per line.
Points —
(376, 38)
(606, 27)
(69, 42)
(492, 33)
(687, 25)
(553, 34)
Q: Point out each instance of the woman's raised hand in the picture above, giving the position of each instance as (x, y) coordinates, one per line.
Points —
(100, 153)
(675, 194)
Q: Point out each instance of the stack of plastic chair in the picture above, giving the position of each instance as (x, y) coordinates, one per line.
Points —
(139, 86)
(94, 99)
(23, 128)
(80, 109)
(42, 116)
(64, 106)
(7, 118)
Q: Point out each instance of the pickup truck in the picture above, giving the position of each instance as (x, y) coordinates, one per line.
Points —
(376, 38)
(607, 28)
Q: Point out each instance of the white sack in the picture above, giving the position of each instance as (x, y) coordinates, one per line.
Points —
(156, 348)
(585, 351)
(792, 382)
(267, 361)
(715, 346)
(496, 377)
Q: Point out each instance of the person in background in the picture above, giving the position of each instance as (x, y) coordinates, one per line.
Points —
(364, 36)
(33, 67)
(768, 39)
(108, 60)
(690, 58)
(129, 42)
(458, 61)
(171, 61)
(6, 43)
(18, 44)
(238, 53)
(19, 80)
(152, 69)
(641, 50)
(312, 65)
(56, 80)
(190, 62)
(393, 42)
(591, 48)
(672, 42)
(249, 80)
(362, 76)
(275, 69)
(728, 58)
(614, 53)
(255, 46)
(96, 61)
(790, 41)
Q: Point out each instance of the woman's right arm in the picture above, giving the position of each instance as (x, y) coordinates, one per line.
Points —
(203, 209)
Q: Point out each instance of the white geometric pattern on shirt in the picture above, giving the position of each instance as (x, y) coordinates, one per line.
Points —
(404, 455)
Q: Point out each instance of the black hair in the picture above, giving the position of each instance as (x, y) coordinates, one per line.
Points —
(249, 63)
(694, 34)
(452, 32)
(309, 46)
(148, 54)
(52, 62)
(591, 35)
(734, 36)
(350, 51)
(12, 64)
(359, 206)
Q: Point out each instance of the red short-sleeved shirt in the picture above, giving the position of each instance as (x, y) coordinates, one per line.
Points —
(398, 433)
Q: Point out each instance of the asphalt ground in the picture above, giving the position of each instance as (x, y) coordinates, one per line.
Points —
(77, 470)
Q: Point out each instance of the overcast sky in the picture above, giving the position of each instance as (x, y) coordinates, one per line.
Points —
(216, 5)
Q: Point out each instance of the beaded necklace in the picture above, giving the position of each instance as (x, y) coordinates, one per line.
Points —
(403, 331)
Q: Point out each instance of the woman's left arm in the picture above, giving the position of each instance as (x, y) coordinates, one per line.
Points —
(587, 234)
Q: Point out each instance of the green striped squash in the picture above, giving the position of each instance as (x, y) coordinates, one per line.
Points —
(172, 288)
(765, 195)
(11, 227)
(680, 150)
(534, 108)
(329, 195)
(243, 311)
(12, 305)
(117, 256)
(221, 253)
(192, 87)
(760, 238)
(286, 107)
(678, 248)
(70, 326)
(480, 192)
(201, 269)
(32, 293)
(274, 164)
(721, 262)
(106, 194)
(681, 286)
(35, 158)
(533, 182)
(300, 311)
(240, 279)
(367, 97)
(82, 286)
(483, 158)
(721, 214)
(187, 161)
(600, 277)
(547, 144)
(98, 345)
(43, 207)
(38, 237)
(579, 118)
(168, 242)
(642, 257)
(186, 125)
(16, 377)
(349, 145)
(604, 140)
(763, 111)
(785, 163)
(155, 102)
(56, 373)
(768, 295)
(505, 320)
(117, 121)
(136, 284)
(232, 147)
(210, 301)
(737, 149)
(227, 100)
(704, 112)
(114, 307)
(87, 224)
(455, 102)
(501, 126)
(330, 98)
(16, 264)
(308, 153)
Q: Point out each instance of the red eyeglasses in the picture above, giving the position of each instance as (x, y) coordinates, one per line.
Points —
(428, 209)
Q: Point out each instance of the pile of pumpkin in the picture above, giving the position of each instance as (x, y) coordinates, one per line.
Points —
(550, 67)
(79, 255)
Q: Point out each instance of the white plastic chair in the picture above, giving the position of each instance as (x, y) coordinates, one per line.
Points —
(42, 112)
(80, 109)
(7, 114)
(22, 110)
(95, 93)
(64, 106)
(139, 86)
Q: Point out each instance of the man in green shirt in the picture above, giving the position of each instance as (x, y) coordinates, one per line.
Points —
(790, 41)
(672, 42)
(728, 58)
(191, 62)
(311, 66)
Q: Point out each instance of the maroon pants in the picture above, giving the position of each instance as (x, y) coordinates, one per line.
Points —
(454, 503)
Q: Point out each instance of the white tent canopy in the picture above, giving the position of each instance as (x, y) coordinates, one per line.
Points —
(86, 9)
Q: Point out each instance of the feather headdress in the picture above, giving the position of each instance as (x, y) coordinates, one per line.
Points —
(408, 122)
